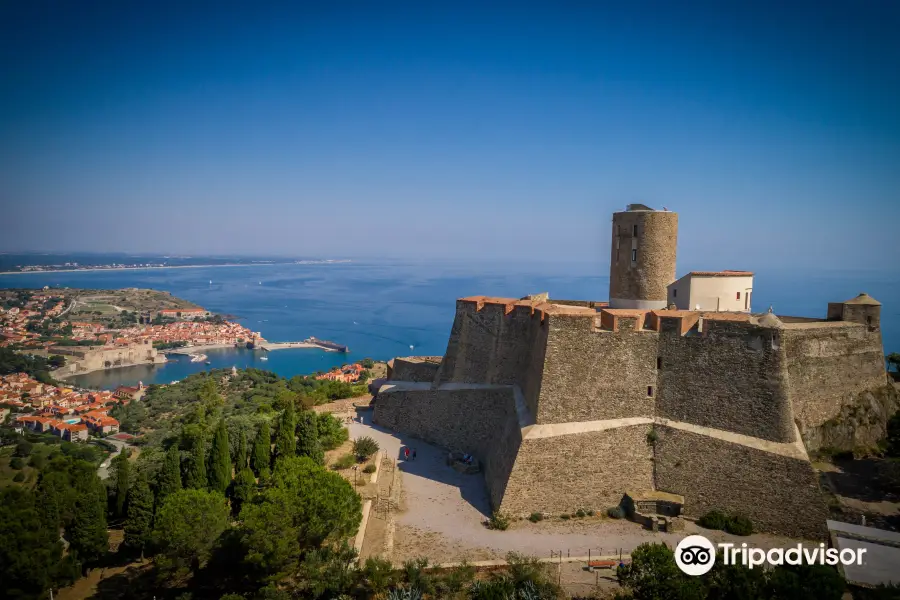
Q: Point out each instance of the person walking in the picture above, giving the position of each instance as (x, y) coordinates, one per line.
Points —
(414, 454)
(406, 453)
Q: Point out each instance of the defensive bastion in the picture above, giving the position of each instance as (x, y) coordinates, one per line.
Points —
(569, 404)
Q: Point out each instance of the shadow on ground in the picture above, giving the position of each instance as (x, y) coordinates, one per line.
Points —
(430, 463)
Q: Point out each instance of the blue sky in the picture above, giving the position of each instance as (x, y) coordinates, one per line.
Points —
(455, 131)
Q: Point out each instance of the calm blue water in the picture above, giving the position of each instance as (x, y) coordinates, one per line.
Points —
(395, 309)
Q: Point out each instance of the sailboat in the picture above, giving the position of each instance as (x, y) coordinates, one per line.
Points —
(210, 282)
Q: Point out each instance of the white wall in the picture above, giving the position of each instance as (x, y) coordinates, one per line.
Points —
(728, 293)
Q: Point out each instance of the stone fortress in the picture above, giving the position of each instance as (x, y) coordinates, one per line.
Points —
(571, 404)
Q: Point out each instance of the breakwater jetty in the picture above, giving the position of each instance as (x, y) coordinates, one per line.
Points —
(309, 342)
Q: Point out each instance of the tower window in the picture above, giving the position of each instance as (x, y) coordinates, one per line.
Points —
(738, 296)
(634, 255)
(634, 230)
(649, 391)
(658, 363)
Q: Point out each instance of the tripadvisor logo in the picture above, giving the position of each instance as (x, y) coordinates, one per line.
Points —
(696, 555)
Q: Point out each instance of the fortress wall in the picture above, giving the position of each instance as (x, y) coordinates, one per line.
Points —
(415, 368)
(779, 494)
(466, 419)
(589, 470)
(595, 375)
(492, 346)
(828, 364)
(730, 378)
(500, 458)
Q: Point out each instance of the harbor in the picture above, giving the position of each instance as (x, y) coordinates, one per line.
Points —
(309, 342)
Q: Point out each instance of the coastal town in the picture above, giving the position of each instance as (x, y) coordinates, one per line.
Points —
(65, 412)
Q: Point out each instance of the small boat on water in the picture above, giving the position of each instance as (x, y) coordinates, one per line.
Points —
(263, 358)
(207, 363)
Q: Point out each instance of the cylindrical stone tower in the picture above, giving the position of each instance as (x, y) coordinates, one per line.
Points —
(643, 257)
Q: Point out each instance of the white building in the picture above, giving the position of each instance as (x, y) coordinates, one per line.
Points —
(729, 291)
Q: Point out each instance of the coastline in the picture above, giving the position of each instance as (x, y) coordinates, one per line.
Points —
(190, 350)
(94, 270)
(109, 368)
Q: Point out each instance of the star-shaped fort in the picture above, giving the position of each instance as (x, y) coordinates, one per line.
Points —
(673, 389)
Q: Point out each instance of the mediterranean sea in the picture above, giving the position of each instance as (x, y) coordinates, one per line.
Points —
(387, 309)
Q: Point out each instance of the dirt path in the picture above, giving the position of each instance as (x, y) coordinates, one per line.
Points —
(441, 515)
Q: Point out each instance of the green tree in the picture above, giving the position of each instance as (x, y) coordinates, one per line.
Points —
(285, 441)
(653, 575)
(220, 460)
(332, 432)
(305, 507)
(87, 533)
(893, 360)
(121, 467)
(31, 553)
(308, 443)
(170, 476)
(364, 447)
(241, 459)
(806, 581)
(261, 458)
(140, 515)
(196, 475)
(187, 526)
(242, 490)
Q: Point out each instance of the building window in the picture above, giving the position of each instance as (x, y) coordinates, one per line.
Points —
(658, 363)
(649, 391)
(675, 293)
(738, 296)
(634, 255)
(634, 231)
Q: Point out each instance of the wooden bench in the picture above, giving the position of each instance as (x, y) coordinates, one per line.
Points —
(602, 564)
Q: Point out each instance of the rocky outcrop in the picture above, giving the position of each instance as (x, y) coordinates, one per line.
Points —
(860, 425)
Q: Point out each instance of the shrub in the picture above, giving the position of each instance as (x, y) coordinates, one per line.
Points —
(580, 513)
(498, 521)
(16, 463)
(370, 469)
(535, 517)
(714, 519)
(564, 517)
(739, 525)
(364, 447)
(615, 512)
(344, 462)
(652, 436)
(20, 477)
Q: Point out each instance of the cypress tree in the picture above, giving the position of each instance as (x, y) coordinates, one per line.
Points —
(220, 460)
(196, 474)
(170, 475)
(123, 480)
(87, 533)
(138, 525)
(261, 449)
(243, 489)
(308, 443)
(241, 459)
(285, 440)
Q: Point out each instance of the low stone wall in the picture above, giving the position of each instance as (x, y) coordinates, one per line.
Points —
(461, 418)
(590, 470)
(778, 493)
(414, 368)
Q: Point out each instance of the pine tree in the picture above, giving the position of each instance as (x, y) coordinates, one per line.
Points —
(219, 471)
(196, 474)
(123, 480)
(285, 440)
(243, 489)
(308, 443)
(170, 475)
(241, 459)
(138, 525)
(261, 449)
(87, 534)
